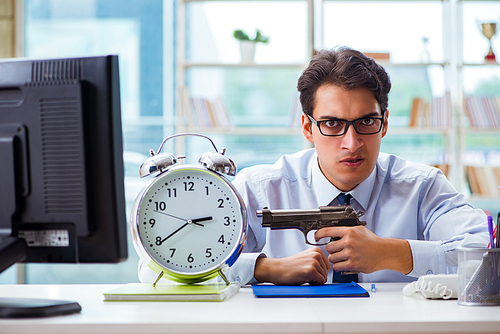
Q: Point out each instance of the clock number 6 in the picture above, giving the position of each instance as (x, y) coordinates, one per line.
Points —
(190, 258)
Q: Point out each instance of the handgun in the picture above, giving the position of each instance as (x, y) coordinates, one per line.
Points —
(309, 220)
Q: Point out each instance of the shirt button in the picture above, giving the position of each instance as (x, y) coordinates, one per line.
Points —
(429, 272)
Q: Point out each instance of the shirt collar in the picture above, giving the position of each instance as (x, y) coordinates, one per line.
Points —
(326, 192)
(363, 191)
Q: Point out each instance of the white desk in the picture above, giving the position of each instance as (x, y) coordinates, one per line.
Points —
(386, 311)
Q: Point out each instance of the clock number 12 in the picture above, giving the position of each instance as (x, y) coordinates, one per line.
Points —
(188, 186)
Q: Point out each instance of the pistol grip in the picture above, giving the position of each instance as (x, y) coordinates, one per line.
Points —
(349, 272)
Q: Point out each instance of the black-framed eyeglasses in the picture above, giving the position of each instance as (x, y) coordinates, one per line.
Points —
(337, 127)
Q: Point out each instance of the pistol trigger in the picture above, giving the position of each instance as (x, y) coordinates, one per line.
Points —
(315, 243)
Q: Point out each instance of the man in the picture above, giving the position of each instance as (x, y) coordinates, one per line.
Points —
(415, 219)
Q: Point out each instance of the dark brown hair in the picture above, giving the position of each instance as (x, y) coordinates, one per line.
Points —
(345, 68)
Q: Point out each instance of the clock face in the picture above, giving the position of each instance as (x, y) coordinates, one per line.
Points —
(190, 220)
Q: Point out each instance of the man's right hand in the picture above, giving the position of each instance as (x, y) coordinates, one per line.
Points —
(309, 266)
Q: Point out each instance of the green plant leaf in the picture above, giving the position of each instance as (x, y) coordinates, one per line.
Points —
(240, 35)
(243, 36)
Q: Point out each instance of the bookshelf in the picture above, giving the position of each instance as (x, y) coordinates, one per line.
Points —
(479, 118)
(257, 99)
(432, 56)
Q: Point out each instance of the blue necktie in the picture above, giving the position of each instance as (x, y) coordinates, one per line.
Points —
(344, 199)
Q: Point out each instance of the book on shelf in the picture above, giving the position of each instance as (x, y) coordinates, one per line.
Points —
(440, 112)
(417, 113)
(185, 107)
(484, 180)
(444, 168)
(172, 292)
(483, 112)
(378, 56)
(221, 113)
(434, 114)
(198, 112)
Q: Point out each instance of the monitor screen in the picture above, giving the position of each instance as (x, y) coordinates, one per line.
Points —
(61, 162)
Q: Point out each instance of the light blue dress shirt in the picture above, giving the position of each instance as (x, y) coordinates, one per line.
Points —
(399, 199)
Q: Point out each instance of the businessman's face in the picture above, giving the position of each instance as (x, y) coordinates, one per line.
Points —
(348, 159)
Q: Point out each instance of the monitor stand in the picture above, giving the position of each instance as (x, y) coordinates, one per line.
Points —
(36, 308)
(12, 248)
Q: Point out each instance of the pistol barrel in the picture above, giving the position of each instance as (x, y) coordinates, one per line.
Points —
(309, 220)
(322, 217)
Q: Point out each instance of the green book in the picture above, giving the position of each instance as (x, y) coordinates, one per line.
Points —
(207, 292)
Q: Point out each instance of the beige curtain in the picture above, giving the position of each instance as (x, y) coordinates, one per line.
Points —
(7, 29)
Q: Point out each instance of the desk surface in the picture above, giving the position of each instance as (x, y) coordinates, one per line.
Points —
(386, 311)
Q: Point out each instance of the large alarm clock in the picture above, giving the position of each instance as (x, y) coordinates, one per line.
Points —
(188, 223)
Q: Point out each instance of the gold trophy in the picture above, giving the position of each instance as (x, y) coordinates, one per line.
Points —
(489, 30)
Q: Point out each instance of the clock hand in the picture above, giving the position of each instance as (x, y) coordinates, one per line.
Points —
(194, 221)
(191, 221)
(171, 234)
(167, 214)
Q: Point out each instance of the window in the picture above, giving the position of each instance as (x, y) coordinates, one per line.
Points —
(141, 33)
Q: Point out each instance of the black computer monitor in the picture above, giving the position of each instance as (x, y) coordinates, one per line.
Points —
(61, 162)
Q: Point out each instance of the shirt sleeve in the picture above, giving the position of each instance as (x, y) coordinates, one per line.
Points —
(448, 222)
(243, 269)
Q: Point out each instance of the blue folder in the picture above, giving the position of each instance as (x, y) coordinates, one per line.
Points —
(310, 291)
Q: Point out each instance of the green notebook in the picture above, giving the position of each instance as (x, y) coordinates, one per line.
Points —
(172, 292)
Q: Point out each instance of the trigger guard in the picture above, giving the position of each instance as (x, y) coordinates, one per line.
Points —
(320, 242)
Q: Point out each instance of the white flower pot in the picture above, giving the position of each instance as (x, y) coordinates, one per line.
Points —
(247, 51)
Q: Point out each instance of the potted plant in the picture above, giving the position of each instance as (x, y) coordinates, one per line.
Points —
(247, 44)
